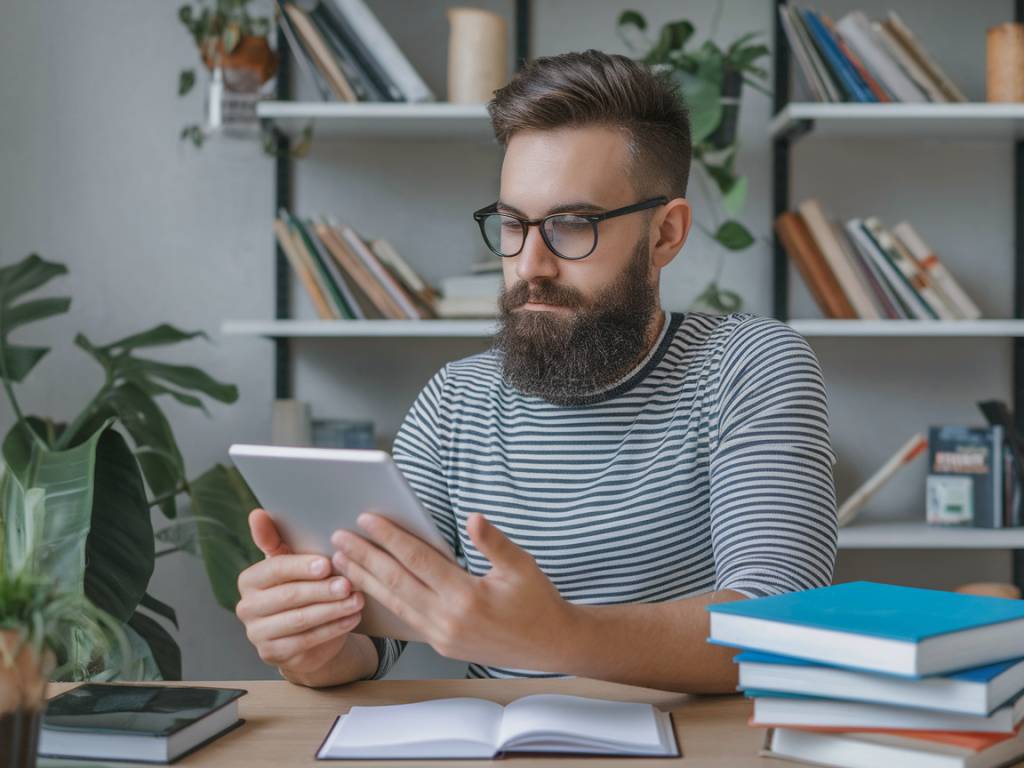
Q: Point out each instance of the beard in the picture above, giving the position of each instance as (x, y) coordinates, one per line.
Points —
(562, 357)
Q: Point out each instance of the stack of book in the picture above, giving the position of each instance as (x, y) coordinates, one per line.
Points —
(859, 60)
(349, 278)
(867, 674)
(346, 53)
(862, 269)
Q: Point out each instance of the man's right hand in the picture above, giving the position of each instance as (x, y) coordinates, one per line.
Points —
(295, 612)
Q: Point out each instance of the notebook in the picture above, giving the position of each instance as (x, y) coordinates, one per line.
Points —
(140, 723)
(476, 728)
(975, 691)
(881, 627)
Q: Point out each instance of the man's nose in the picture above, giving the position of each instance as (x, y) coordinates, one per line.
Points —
(536, 261)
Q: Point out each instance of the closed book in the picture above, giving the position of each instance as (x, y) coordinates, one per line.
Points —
(320, 53)
(885, 303)
(377, 305)
(846, 75)
(866, 77)
(868, 750)
(976, 691)
(386, 52)
(345, 284)
(856, 30)
(313, 75)
(468, 727)
(914, 48)
(470, 306)
(321, 268)
(396, 296)
(942, 279)
(772, 708)
(965, 475)
(419, 292)
(846, 273)
(818, 276)
(363, 88)
(807, 67)
(303, 270)
(908, 269)
(361, 53)
(143, 723)
(877, 627)
(921, 78)
(914, 447)
(825, 76)
(910, 303)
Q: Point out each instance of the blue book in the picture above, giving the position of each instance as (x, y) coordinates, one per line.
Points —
(876, 627)
(974, 691)
(837, 61)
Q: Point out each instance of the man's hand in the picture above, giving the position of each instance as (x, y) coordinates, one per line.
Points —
(511, 617)
(298, 618)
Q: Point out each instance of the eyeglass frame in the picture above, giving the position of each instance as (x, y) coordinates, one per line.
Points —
(593, 218)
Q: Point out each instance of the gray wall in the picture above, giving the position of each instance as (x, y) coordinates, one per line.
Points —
(92, 174)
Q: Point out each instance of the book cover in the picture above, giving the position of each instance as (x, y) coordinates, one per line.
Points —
(855, 88)
(320, 53)
(965, 476)
(856, 30)
(820, 280)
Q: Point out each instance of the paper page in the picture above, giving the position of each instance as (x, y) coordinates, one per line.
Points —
(579, 720)
(387, 729)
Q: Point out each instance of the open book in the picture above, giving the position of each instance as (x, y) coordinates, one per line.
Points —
(469, 727)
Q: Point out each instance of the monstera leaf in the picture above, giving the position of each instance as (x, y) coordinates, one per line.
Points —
(15, 281)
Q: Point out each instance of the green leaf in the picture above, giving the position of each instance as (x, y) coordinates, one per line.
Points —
(164, 647)
(745, 57)
(159, 335)
(231, 37)
(185, 376)
(160, 608)
(632, 18)
(222, 495)
(704, 101)
(673, 37)
(741, 41)
(186, 79)
(38, 309)
(16, 280)
(734, 236)
(734, 200)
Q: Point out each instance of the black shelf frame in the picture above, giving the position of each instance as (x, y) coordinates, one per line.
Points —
(781, 167)
(284, 174)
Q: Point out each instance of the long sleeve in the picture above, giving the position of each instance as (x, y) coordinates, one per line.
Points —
(773, 503)
(418, 451)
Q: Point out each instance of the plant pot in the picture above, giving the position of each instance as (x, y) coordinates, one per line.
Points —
(252, 63)
(23, 678)
(732, 86)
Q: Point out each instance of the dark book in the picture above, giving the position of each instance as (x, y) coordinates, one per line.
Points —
(365, 89)
(139, 723)
(965, 484)
(360, 51)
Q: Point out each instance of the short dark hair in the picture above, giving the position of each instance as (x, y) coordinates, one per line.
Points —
(603, 89)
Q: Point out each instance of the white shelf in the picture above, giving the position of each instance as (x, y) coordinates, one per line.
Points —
(905, 328)
(354, 329)
(485, 328)
(916, 534)
(437, 120)
(972, 120)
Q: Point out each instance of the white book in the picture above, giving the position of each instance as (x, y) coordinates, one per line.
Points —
(919, 76)
(834, 713)
(476, 728)
(824, 74)
(484, 285)
(476, 306)
(871, 750)
(975, 691)
(941, 277)
(846, 273)
(910, 42)
(862, 237)
(811, 77)
(904, 262)
(856, 252)
(857, 32)
(387, 53)
(929, 290)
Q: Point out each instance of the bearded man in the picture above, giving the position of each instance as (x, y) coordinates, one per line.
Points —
(607, 469)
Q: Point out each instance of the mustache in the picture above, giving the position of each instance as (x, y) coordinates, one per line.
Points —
(541, 293)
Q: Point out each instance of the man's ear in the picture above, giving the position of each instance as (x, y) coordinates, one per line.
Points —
(672, 230)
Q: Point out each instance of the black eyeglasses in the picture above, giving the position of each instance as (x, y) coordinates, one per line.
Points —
(570, 236)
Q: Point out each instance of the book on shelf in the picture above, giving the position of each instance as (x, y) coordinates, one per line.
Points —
(861, 269)
(143, 723)
(346, 53)
(857, 59)
(862, 674)
(472, 295)
(468, 727)
(908, 452)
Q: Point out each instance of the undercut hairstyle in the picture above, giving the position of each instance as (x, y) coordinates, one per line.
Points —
(593, 88)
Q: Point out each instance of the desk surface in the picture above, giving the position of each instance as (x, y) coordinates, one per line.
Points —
(286, 723)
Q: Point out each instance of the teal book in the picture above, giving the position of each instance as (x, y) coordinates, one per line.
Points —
(877, 627)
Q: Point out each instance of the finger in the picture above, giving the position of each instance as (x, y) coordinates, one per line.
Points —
(294, 594)
(265, 534)
(500, 550)
(283, 568)
(299, 620)
(284, 650)
(419, 558)
(382, 566)
(370, 585)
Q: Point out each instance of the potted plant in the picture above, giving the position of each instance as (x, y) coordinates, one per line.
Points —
(101, 473)
(233, 45)
(711, 79)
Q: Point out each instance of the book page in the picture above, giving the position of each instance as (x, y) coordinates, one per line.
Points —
(576, 720)
(384, 730)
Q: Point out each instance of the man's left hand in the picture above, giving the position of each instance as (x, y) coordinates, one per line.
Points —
(513, 616)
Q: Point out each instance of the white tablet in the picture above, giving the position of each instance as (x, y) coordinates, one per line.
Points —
(312, 492)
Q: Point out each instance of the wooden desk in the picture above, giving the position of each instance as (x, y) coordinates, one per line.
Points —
(286, 723)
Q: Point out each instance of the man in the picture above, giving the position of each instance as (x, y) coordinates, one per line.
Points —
(608, 469)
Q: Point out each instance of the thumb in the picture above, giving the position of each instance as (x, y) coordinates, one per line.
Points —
(265, 534)
(501, 551)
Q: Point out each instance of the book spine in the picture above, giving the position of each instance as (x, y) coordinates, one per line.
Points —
(821, 282)
(362, 54)
(902, 32)
(320, 272)
(284, 239)
(357, 78)
(886, 308)
(856, 90)
(896, 275)
(383, 278)
(916, 74)
(887, 273)
(943, 279)
(320, 53)
(856, 30)
(856, 292)
(353, 309)
(300, 55)
(807, 69)
(876, 88)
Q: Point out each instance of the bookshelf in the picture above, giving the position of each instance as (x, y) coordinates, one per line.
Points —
(381, 120)
(970, 121)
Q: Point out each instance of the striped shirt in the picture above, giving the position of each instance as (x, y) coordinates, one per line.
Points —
(707, 467)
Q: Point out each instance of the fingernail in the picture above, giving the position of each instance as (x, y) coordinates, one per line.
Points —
(338, 560)
(339, 587)
(318, 567)
(336, 538)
